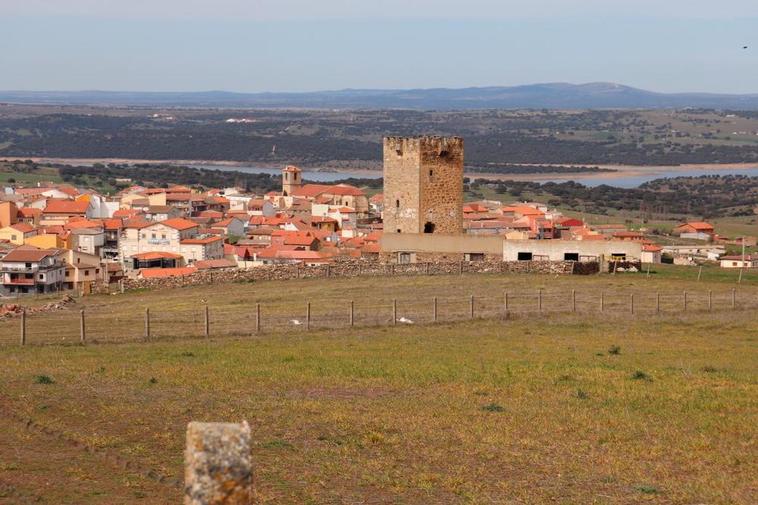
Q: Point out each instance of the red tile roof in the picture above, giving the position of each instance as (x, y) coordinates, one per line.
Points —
(314, 190)
(201, 241)
(28, 254)
(22, 227)
(66, 207)
(698, 225)
(27, 212)
(77, 224)
(179, 223)
(156, 273)
(211, 264)
(113, 224)
(156, 255)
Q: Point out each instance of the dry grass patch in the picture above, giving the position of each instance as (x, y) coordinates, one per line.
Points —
(530, 411)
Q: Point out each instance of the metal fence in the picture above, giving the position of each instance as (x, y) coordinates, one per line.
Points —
(132, 323)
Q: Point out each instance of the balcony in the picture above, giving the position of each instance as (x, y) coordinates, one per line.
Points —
(19, 281)
(11, 269)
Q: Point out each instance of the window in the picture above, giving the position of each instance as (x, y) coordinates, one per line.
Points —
(571, 257)
(428, 227)
(398, 230)
(397, 204)
(404, 258)
(41, 277)
(444, 154)
(473, 256)
(618, 256)
(28, 265)
(431, 173)
(524, 256)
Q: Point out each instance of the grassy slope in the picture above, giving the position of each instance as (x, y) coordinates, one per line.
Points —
(398, 415)
(179, 312)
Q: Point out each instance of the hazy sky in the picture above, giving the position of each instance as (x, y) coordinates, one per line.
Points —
(295, 45)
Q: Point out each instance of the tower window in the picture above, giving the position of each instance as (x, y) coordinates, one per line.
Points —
(431, 173)
(444, 154)
(429, 227)
(397, 204)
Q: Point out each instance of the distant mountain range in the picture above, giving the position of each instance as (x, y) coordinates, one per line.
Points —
(533, 96)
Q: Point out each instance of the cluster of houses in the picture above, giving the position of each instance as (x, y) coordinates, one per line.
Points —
(55, 236)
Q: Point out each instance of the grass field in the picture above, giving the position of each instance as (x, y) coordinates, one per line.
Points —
(560, 408)
(232, 307)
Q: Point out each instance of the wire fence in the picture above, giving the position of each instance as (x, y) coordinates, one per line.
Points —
(129, 323)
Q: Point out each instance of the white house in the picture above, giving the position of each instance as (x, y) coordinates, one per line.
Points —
(738, 261)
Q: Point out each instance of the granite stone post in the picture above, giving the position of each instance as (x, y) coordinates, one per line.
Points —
(218, 467)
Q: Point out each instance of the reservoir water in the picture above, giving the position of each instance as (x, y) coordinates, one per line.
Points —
(611, 179)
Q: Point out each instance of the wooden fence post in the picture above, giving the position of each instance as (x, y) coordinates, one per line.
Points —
(647, 275)
(434, 310)
(505, 304)
(734, 298)
(471, 307)
(657, 302)
(426, 268)
(685, 301)
(352, 313)
(23, 326)
(147, 323)
(631, 303)
(82, 328)
(308, 316)
(699, 273)
(460, 267)
(207, 325)
(573, 300)
(328, 270)
(394, 311)
(539, 300)
(739, 280)
(602, 301)
(257, 318)
(710, 299)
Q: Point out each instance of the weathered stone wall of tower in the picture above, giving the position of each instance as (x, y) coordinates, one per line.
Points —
(402, 160)
(423, 185)
(442, 184)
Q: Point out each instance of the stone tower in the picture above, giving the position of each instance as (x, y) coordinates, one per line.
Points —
(292, 179)
(423, 185)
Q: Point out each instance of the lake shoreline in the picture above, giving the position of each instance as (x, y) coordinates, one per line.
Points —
(619, 171)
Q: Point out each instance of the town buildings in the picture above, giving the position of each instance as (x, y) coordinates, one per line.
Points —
(56, 236)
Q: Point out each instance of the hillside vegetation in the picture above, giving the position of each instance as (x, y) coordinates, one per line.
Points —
(495, 139)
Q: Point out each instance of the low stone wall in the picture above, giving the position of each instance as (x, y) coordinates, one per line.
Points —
(355, 268)
(10, 310)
